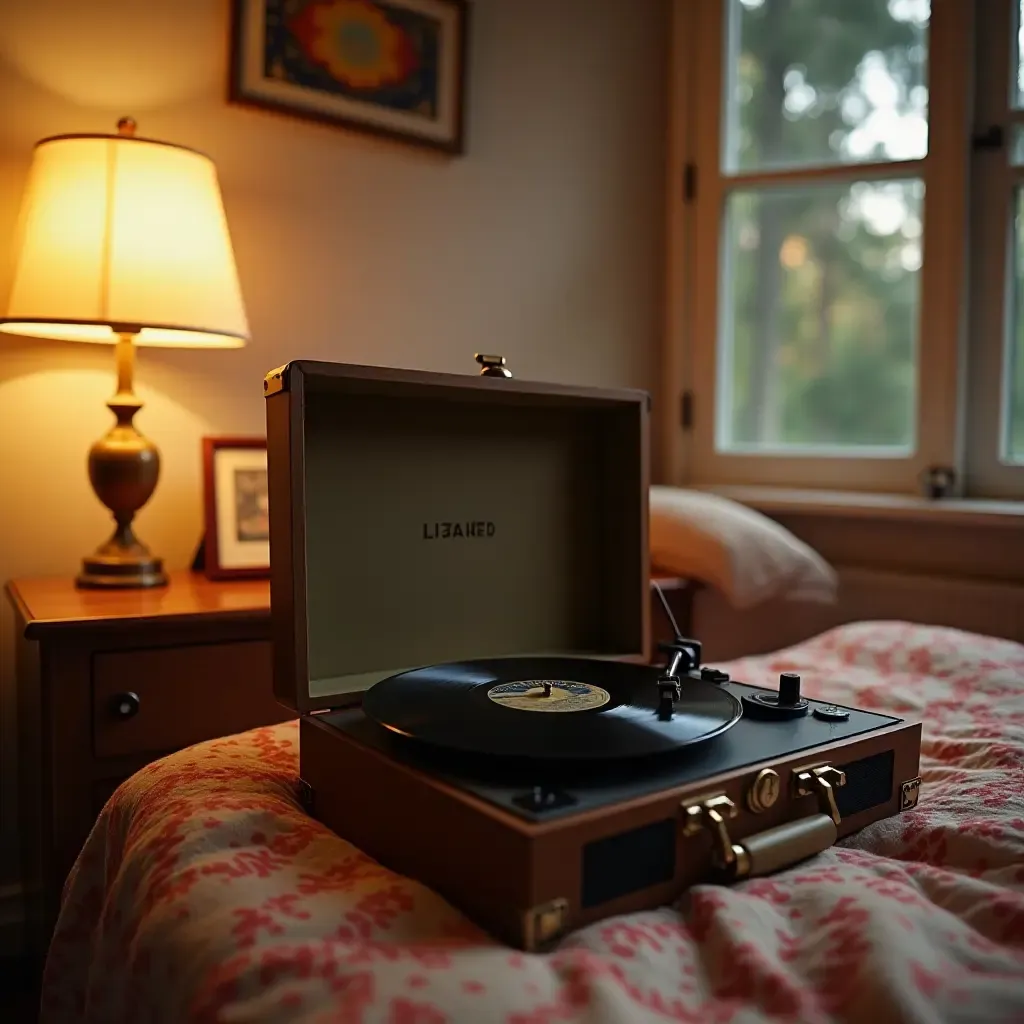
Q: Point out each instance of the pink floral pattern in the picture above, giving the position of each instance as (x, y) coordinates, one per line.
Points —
(206, 894)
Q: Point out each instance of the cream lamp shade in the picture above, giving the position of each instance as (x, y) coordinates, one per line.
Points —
(124, 235)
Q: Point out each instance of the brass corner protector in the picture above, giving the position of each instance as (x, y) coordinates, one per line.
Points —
(909, 793)
(274, 381)
(544, 924)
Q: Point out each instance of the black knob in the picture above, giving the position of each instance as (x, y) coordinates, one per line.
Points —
(780, 706)
(789, 689)
(125, 705)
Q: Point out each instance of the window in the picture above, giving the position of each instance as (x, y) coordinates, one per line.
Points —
(847, 264)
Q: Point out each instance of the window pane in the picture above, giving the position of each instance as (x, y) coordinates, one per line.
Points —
(819, 318)
(1018, 92)
(820, 82)
(1014, 439)
(1017, 145)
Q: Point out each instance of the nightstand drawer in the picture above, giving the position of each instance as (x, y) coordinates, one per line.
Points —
(162, 699)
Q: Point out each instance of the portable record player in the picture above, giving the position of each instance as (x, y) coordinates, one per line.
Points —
(460, 614)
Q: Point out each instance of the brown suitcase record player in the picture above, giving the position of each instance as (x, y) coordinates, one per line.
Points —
(460, 613)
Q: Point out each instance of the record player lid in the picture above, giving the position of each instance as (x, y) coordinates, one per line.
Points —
(418, 518)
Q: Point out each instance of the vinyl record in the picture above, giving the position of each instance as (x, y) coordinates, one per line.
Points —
(547, 708)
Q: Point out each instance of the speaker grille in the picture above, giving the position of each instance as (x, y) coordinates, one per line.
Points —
(629, 861)
(868, 783)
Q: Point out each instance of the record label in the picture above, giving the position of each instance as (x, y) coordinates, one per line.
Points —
(548, 695)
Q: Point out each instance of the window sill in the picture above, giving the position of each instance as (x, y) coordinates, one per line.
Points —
(851, 504)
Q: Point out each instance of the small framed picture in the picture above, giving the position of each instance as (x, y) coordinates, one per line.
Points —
(394, 68)
(237, 512)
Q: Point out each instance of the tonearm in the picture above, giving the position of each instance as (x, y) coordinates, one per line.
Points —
(682, 656)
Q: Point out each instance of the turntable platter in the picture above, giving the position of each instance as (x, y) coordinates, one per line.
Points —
(548, 708)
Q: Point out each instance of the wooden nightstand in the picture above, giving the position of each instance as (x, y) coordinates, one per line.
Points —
(111, 680)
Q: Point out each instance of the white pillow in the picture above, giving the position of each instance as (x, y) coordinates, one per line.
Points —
(743, 554)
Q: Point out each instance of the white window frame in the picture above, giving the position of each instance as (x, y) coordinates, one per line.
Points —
(695, 233)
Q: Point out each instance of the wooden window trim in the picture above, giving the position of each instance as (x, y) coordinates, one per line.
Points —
(991, 238)
(693, 268)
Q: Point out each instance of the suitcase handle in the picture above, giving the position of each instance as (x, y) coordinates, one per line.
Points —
(776, 848)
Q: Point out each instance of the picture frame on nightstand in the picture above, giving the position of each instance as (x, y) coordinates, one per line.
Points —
(235, 508)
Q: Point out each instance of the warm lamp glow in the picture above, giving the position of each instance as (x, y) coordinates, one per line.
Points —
(123, 235)
(124, 240)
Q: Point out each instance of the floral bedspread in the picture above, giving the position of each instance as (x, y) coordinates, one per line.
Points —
(206, 894)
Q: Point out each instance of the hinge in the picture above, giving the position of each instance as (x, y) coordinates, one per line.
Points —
(689, 182)
(991, 138)
(686, 410)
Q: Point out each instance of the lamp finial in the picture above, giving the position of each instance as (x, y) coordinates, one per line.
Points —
(126, 127)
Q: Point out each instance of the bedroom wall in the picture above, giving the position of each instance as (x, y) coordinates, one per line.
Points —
(544, 242)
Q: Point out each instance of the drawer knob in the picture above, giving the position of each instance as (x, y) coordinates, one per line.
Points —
(125, 705)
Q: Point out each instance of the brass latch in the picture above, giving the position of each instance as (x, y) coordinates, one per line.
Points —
(712, 814)
(822, 782)
(492, 366)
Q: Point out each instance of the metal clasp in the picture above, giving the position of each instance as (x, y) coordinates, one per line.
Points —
(712, 814)
(822, 782)
(492, 366)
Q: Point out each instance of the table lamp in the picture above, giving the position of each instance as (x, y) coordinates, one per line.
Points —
(123, 240)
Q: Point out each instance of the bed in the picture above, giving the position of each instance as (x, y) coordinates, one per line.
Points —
(205, 892)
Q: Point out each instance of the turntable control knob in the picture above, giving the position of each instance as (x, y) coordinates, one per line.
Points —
(789, 689)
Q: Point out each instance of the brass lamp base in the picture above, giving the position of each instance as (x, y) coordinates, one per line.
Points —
(123, 469)
(98, 574)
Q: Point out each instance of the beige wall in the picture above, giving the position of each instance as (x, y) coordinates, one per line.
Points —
(544, 242)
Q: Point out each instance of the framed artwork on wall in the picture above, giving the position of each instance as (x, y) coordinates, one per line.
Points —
(236, 508)
(394, 68)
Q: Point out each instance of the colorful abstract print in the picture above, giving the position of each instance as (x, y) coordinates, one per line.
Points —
(383, 54)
